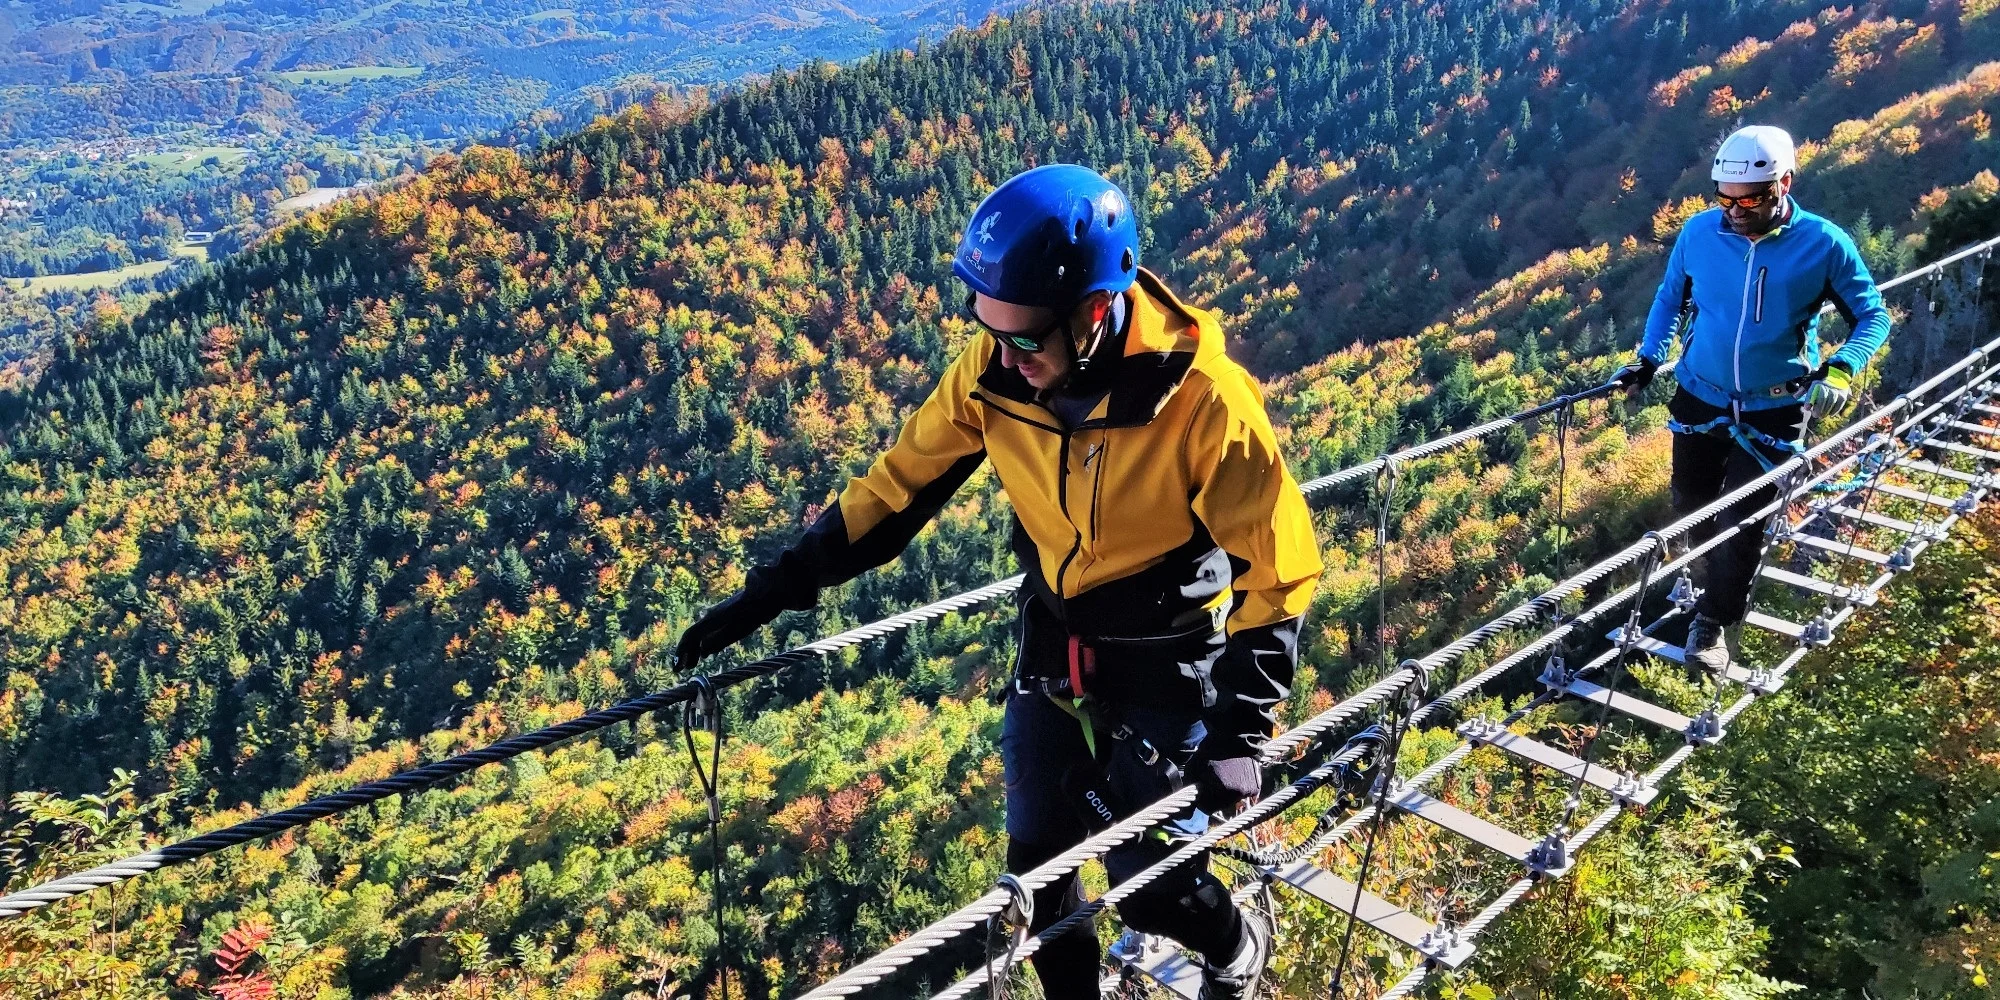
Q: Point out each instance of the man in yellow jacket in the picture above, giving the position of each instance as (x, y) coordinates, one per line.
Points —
(1169, 554)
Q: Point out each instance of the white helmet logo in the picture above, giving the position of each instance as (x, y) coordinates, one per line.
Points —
(985, 229)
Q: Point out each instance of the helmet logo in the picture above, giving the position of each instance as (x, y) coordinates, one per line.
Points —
(985, 230)
(976, 262)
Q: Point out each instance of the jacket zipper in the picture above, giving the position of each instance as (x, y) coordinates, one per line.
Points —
(1743, 313)
(1097, 453)
(1062, 501)
(1062, 486)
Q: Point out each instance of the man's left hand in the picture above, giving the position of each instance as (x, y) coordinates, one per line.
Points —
(1223, 785)
(1832, 387)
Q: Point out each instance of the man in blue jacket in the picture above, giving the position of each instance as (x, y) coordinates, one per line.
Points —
(1743, 290)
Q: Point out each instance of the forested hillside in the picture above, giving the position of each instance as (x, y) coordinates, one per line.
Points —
(462, 458)
(405, 69)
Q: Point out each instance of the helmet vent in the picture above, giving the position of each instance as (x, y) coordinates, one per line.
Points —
(1126, 262)
(1060, 269)
(1082, 226)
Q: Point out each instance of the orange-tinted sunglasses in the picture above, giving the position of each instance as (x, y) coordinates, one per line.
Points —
(1747, 200)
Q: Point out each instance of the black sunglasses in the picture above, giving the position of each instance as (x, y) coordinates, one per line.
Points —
(1030, 341)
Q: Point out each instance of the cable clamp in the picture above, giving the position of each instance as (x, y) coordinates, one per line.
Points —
(1481, 730)
(1555, 672)
(1706, 727)
(1685, 593)
(1550, 857)
(1904, 557)
(1818, 632)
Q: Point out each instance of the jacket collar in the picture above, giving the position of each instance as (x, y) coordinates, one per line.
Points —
(1148, 359)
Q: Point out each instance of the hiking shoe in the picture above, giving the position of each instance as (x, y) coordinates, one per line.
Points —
(1707, 645)
(1238, 979)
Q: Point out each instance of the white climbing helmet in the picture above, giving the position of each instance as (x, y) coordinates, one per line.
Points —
(1753, 154)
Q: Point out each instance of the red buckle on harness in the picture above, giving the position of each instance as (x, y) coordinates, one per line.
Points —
(1082, 665)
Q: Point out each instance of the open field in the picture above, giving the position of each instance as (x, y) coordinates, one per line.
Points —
(348, 74)
(93, 280)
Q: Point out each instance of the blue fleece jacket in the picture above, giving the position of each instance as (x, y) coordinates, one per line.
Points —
(1748, 313)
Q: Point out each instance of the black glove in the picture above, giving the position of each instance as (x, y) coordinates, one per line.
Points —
(727, 623)
(1224, 784)
(1636, 376)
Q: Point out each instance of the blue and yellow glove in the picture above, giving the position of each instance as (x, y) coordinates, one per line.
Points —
(1832, 387)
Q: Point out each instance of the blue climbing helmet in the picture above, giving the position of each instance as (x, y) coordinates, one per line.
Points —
(1050, 236)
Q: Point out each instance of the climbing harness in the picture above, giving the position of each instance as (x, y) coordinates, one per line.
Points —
(1746, 437)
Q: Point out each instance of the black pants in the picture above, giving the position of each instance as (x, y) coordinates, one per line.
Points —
(1706, 466)
(1042, 749)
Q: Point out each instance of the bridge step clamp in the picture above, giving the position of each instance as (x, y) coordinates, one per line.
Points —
(1159, 960)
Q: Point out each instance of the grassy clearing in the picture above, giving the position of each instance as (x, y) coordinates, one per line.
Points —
(349, 74)
(94, 280)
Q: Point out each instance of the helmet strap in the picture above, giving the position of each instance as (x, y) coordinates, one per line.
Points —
(1100, 331)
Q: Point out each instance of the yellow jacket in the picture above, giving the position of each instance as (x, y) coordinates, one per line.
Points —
(1164, 529)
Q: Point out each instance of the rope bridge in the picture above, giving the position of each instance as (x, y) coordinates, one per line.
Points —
(1929, 433)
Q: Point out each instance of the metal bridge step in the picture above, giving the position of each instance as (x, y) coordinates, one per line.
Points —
(1840, 548)
(1966, 449)
(1159, 960)
(1917, 495)
(1934, 469)
(1875, 518)
(1465, 824)
(1625, 787)
(1414, 931)
(1980, 429)
(1988, 410)
(1769, 624)
(1756, 679)
(1837, 591)
(1695, 730)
